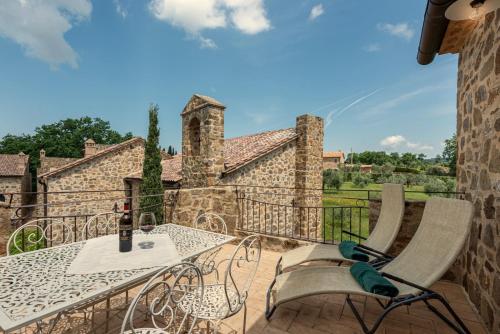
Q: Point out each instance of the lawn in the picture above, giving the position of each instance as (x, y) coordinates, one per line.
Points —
(355, 208)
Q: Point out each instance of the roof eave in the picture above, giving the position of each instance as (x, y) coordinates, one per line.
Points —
(433, 30)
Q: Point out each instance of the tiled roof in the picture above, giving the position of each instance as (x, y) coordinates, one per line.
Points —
(238, 151)
(334, 154)
(13, 164)
(172, 169)
(100, 153)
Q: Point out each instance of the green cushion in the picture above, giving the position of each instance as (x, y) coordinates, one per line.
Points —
(372, 281)
(349, 251)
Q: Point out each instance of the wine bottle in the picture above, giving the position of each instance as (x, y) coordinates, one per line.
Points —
(125, 229)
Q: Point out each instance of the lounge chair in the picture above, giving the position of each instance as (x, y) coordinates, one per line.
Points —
(439, 239)
(377, 244)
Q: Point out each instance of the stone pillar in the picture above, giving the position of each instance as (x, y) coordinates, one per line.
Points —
(202, 142)
(308, 175)
(478, 167)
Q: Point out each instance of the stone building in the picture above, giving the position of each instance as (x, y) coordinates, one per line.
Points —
(478, 139)
(113, 168)
(333, 160)
(15, 179)
(280, 167)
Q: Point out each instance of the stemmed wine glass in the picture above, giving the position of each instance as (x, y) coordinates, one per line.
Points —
(147, 223)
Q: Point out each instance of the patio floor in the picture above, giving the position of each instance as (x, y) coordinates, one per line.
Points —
(325, 314)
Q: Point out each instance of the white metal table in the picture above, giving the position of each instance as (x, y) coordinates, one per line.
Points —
(35, 285)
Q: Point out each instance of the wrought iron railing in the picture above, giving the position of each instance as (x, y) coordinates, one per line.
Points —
(310, 223)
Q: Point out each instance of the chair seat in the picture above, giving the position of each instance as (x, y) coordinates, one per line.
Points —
(215, 303)
(146, 331)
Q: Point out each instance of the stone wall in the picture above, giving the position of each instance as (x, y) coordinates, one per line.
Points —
(190, 203)
(202, 143)
(478, 168)
(309, 173)
(101, 173)
(411, 220)
(5, 226)
(16, 184)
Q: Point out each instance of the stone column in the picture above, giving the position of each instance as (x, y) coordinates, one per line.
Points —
(309, 176)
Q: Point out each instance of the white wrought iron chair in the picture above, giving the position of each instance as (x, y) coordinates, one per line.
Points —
(160, 297)
(213, 223)
(226, 298)
(101, 224)
(39, 233)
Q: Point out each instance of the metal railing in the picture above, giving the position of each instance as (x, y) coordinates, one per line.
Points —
(322, 224)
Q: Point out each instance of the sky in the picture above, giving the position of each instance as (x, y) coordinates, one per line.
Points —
(352, 62)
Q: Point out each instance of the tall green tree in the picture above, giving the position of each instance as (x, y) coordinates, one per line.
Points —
(64, 138)
(151, 172)
(450, 154)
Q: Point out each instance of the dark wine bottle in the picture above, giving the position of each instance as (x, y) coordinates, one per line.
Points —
(125, 229)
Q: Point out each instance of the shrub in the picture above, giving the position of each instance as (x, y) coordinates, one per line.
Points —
(436, 185)
(400, 169)
(438, 170)
(332, 178)
(360, 180)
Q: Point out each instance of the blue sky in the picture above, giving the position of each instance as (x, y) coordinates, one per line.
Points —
(352, 62)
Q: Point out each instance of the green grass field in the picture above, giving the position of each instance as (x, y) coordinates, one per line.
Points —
(354, 200)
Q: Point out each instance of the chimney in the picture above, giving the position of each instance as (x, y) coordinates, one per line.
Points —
(90, 147)
(42, 154)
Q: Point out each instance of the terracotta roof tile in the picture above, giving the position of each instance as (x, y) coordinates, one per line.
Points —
(238, 151)
(13, 164)
(338, 154)
(100, 153)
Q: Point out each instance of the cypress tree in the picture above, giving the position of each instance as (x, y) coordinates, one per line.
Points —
(151, 172)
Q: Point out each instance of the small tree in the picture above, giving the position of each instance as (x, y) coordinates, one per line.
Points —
(151, 172)
(450, 154)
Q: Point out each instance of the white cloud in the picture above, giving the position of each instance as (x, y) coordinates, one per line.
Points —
(316, 12)
(373, 47)
(39, 27)
(402, 30)
(195, 16)
(396, 141)
(393, 141)
(207, 43)
(120, 9)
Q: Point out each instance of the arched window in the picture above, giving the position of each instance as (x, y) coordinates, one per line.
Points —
(194, 136)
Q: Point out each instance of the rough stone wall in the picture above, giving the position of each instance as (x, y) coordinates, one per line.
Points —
(202, 166)
(309, 173)
(103, 173)
(411, 220)
(190, 203)
(16, 184)
(5, 226)
(274, 174)
(478, 168)
(48, 164)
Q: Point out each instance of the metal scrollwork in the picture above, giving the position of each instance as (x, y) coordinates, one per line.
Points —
(39, 233)
(162, 295)
(100, 224)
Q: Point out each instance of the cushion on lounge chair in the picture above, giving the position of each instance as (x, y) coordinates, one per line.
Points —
(372, 281)
(349, 251)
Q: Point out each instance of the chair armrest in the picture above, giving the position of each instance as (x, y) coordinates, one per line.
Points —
(353, 234)
(366, 248)
(403, 281)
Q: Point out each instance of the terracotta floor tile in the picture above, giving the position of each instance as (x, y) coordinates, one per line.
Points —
(282, 318)
(308, 315)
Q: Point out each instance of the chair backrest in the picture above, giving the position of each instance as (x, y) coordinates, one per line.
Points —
(162, 296)
(241, 271)
(210, 222)
(436, 244)
(389, 221)
(39, 233)
(101, 224)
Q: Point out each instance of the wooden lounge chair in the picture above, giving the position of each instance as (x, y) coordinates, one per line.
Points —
(439, 239)
(377, 244)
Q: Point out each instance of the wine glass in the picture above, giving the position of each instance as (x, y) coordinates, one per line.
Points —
(147, 223)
